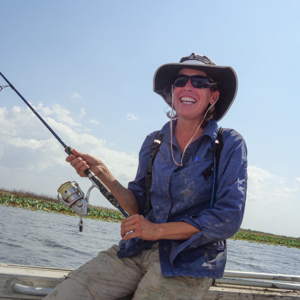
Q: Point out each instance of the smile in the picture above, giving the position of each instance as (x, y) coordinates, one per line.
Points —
(187, 100)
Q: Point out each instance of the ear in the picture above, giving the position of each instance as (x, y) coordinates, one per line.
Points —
(214, 97)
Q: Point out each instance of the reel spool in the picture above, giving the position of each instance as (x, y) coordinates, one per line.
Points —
(71, 196)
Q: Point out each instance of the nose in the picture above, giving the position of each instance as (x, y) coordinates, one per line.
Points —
(188, 85)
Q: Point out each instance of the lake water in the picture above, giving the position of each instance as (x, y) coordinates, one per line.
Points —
(44, 239)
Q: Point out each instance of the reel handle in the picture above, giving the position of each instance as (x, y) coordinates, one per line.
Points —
(103, 189)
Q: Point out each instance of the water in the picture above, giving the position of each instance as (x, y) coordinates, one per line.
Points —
(44, 239)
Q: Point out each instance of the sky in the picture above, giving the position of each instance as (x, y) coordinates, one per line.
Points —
(87, 68)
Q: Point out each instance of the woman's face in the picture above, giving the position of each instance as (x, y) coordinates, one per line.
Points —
(191, 103)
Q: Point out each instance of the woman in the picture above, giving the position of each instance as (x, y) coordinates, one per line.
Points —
(174, 249)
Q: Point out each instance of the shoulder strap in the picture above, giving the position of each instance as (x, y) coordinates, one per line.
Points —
(216, 157)
(219, 145)
(148, 179)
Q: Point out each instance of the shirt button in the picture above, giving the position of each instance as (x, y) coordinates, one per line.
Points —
(167, 178)
(230, 182)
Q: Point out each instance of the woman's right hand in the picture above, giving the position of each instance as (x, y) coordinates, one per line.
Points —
(82, 162)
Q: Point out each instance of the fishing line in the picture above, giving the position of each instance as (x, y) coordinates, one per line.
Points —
(69, 193)
(3, 86)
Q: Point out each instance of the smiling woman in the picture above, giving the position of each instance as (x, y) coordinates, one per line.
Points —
(181, 209)
(194, 91)
(193, 97)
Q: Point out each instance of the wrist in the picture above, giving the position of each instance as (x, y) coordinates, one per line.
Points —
(104, 175)
(159, 231)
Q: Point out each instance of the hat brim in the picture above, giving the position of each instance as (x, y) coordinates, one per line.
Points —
(224, 76)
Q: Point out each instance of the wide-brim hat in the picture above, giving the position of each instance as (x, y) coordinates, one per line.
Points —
(224, 76)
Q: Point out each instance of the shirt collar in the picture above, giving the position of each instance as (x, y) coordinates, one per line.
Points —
(210, 130)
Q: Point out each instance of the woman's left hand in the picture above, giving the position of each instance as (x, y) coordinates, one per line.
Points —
(136, 226)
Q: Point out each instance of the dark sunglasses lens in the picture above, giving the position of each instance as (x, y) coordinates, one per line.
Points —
(181, 81)
(200, 82)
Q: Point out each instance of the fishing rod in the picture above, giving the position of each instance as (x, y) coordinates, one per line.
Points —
(69, 193)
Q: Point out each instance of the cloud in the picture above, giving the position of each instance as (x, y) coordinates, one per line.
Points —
(132, 117)
(25, 143)
(264, 185)
(56, 111)
(297, 180)
(75, 96)
(63, 115)
(32, 159)
(272, 203)
(94, 121)
(82, 113)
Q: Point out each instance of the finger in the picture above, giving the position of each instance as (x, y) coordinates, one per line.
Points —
(127, 228)
(74, 154)
(131, 219)
(77, 161)
(128, 224)
(125, 233)
(77, 153)
(70, 158)
(127, 221)
(131, 223)
(86, 157)
(81, 167)
(131, 231)
(131, 235)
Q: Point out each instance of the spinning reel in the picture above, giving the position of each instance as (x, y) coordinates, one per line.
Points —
(71, 196)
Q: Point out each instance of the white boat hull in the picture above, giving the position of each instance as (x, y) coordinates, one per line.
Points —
(26, 277)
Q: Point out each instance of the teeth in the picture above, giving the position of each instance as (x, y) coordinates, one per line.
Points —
(187, 100)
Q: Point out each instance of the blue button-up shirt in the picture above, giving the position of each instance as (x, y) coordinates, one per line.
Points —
(183, 194)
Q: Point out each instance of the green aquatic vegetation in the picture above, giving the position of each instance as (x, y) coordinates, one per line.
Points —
(105, 214)
(55, 206)
(259, 237)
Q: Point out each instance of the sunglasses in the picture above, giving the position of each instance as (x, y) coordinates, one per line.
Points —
(198, 81)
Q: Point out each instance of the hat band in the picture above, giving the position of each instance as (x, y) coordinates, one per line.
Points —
(193, 61)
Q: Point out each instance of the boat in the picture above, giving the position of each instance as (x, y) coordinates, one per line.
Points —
(29, 282)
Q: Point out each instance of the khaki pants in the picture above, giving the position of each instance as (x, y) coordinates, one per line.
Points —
(106, 277)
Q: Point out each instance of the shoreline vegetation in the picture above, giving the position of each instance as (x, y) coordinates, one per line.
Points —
(32, 201)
